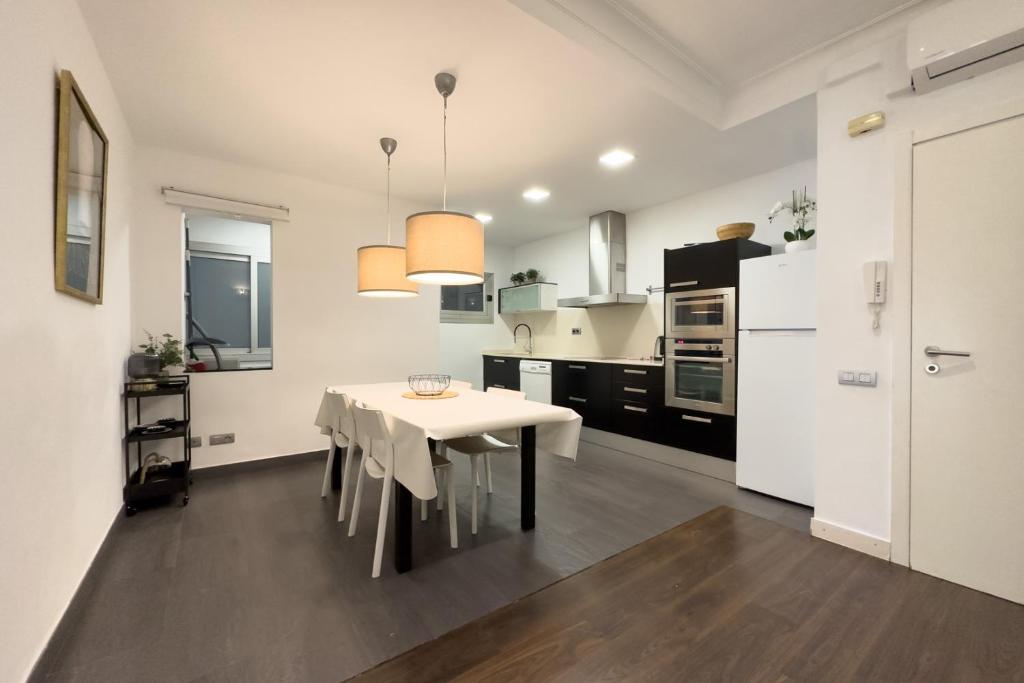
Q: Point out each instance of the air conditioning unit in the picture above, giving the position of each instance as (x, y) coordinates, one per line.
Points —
(964, 38)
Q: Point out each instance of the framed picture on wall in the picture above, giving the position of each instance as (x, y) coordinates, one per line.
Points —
(81, 196)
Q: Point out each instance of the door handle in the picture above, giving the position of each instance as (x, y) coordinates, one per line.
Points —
(577, 399)
(577, 367)
(635, 409)
(694, 418)
(933, 351)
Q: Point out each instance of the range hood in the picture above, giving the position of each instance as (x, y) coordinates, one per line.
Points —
(607, 265)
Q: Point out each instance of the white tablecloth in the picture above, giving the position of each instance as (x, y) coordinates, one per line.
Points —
(412, 422)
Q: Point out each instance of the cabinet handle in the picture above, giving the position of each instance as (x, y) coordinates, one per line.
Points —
(577, 399)
(692, 418)
(498, 360)
(628, 371)
(498, 386)
(635, 409)
(703, 359)
(577, 367)
(634, 390)
(684, 284)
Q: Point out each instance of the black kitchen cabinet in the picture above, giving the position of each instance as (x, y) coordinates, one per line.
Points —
(706, 433)
(709, 265)
(586, 388)
(501, 372)
(637, 400)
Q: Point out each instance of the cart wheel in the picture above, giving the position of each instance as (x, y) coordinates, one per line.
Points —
(184, 501)
(129, 511)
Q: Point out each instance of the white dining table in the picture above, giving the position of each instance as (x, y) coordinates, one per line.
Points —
(416, 423)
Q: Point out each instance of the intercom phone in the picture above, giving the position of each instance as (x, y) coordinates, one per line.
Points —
(874, 288)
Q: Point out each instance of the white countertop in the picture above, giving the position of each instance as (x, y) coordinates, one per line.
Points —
(587, 359)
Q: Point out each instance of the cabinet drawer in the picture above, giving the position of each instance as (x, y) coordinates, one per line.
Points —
(637, 375)
(501, 372)
(622, 391)
(706, 433)
(638, 420)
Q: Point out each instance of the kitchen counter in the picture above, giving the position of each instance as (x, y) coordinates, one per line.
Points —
(588, 359)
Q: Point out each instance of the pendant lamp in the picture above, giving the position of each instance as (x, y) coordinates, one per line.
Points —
(382, 266)
(444, 247)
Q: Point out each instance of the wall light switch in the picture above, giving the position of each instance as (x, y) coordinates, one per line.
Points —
(577, 331)
(195, 442)
(218, 439)
(866, 379)
(858, 378)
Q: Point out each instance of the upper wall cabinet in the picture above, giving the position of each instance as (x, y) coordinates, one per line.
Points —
(539, 296)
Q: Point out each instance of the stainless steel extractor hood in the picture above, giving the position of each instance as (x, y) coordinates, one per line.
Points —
(607, 265)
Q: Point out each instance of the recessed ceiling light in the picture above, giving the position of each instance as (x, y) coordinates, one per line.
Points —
(616, 158)
(484, 218)
(536, 194)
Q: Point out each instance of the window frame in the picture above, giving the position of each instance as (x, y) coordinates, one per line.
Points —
(484, 317)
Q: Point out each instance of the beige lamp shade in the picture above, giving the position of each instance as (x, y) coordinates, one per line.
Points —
(382, 272)
(444, 248)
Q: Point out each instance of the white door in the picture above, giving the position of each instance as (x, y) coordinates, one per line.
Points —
(967, 419)
(775, 411)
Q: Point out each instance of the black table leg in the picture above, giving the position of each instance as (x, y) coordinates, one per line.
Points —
(339, 453)
(403, 528)
(528, 453)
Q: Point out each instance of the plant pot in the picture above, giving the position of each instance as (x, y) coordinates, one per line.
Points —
(798, 245)
(731, 231)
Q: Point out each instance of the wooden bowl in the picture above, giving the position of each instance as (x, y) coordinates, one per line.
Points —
(730, 231)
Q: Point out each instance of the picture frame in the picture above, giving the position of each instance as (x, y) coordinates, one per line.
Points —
(81, 195)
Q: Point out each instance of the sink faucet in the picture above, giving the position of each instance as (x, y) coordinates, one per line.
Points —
(529, 340)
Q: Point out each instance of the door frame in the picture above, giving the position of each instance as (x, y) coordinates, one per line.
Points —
(901, 305)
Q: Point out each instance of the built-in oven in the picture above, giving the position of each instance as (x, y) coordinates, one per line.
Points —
(701, 375)
(701, 314)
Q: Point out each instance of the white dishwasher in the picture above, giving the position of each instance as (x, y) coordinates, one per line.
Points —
(535, 380)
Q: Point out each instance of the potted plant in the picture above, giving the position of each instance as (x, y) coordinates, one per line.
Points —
(518, 278)
(167, 349)
(803, 209)
(532, 275)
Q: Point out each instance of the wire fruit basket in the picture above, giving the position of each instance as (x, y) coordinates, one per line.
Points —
(429, 385)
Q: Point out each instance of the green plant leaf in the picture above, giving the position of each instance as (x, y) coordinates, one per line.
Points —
(790, 237)
(808, 234)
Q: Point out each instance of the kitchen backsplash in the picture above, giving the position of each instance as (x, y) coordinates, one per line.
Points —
(620, 331)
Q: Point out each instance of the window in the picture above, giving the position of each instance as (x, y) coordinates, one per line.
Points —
(228, 309)
(469, 303)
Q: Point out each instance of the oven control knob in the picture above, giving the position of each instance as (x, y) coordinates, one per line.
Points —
(708, 347)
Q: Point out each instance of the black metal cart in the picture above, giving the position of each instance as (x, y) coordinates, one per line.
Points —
(166, 482)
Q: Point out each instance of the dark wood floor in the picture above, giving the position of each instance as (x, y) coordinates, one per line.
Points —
(732, 597)
(256, 581)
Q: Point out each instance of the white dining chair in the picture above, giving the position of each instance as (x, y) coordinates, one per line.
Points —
(442, 476)
(342, 436)
(378, 460)
(484, 445)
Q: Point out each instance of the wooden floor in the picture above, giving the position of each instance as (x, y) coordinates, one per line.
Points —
(732, 597)
(256, 581)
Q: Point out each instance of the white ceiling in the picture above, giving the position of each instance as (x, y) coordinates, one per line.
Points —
(308, 86)
(733, 41)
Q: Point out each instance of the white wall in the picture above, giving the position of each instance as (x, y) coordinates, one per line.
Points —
(60, 419)
(857, 195)
(324, 333)
(461, 344)
(630, 330)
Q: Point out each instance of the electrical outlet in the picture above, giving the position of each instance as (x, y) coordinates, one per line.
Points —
(859, 378)
(577, 331)
(195, 442)
(219, 439)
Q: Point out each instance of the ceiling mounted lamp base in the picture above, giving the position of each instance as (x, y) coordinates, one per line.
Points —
(444, 247)
(381, 267)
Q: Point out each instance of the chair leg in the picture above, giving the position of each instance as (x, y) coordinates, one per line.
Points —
(359, 495)
(453, 527)
(423, 510)
(474, 461)
(345, 467)
(440, 476)
(382, 522)
(487, 467)
(327, 472)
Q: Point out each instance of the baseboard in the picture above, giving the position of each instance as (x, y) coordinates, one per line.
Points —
(849, 538)
(666, 455)
(258, 464)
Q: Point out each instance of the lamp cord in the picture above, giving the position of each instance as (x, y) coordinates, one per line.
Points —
(444, 148)
(388, 185)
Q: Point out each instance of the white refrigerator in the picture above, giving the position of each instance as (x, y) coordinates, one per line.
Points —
(775, 396)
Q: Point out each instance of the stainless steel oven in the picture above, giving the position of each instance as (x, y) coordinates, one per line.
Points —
(701, 375)
(701, 314)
